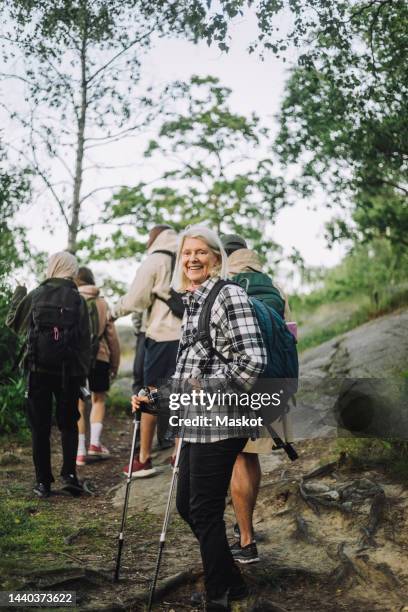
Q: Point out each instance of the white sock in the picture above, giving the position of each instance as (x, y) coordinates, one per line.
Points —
(81, 445)
(96, 430)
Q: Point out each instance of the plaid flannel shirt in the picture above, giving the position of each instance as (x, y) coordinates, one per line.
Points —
(236, 335)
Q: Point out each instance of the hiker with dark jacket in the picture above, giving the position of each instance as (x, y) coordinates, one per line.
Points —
(210, 448)
(245, 268)
(54, 319)
(104, 366)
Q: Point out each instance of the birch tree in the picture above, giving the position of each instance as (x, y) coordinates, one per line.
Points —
(78, 66)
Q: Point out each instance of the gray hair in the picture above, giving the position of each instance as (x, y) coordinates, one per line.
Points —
(179, 282)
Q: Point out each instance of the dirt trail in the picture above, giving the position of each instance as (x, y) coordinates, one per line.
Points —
(314, 556)
(335, 539)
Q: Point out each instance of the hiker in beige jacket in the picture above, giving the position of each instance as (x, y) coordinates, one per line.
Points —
(152, 281)
(104, 367)
(149, 291)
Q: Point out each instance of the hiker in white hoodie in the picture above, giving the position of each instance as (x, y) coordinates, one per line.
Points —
(150, 290)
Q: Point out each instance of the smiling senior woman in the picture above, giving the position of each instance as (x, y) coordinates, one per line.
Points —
(209, 449)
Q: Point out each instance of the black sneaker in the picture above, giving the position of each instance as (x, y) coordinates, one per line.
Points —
(197, 598)
(235, 547)
(218, 605)
(71, 484)
(42, 490)
(245, 554)
(238, 592)
(235, 593)
(215, 606)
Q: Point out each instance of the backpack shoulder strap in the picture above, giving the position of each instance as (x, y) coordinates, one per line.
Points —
(170, 254)
(203, 327)
(94, 317)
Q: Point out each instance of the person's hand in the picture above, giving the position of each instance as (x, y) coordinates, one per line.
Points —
(113, 374)
(138, 400)
(195, 384)
(20, 290)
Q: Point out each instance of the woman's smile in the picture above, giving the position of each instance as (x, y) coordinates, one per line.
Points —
(198, 260)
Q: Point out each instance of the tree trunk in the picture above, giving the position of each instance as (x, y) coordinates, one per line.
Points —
(76, 203)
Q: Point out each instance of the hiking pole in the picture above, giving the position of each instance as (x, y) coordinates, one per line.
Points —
(126, 502)
(166, 520)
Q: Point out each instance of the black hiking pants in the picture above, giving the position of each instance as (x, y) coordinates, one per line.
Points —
(138, 364)
(159, 365)
(204, 477)
(42, 388)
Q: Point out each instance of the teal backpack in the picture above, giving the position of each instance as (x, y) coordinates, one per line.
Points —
(259, 285)
(282, 358)
(282, 369)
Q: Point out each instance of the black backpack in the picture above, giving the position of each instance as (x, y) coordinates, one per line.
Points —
(54, 335)
(175, 303)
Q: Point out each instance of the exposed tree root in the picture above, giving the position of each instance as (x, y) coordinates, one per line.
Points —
(346, 570)
(376, 515)
(265, 605)
(64, 575)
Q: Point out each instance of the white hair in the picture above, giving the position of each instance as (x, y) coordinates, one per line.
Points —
(180, 282)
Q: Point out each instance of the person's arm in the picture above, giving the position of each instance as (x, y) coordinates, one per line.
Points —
(237, 322)
(19, 312)
(137, 322)
(140, 295)
(112, 339)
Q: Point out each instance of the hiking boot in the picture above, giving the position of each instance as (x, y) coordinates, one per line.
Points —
(216, 606)
(245, 554)
(42, 490)
(71, 484)
(197, 598)
(140, 470)
(235, 593)
(81, 460)
(98, 451)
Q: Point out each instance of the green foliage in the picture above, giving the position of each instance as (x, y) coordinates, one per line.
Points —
(118, 401)
(34, 531)
(368, 452)
(343, 117)
(371, 280)
(212, 175)
(13, 250)
(366, 269)
(78, 64)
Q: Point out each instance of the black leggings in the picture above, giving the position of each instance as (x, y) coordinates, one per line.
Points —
(204, 477)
